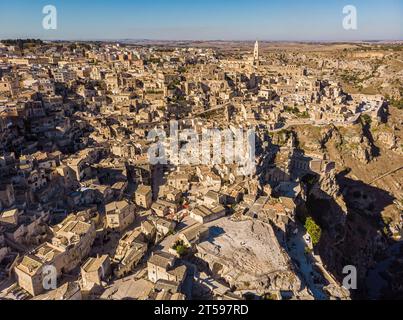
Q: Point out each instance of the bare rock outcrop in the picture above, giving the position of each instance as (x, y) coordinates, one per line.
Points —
(249, 257)
(337, 292)
(362, 150)
(327, 188)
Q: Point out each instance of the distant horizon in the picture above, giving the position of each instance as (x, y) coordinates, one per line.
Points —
(208, 20)
(204, 40)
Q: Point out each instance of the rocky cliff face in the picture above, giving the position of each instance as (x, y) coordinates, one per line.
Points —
(359, 205)
(327, 187)
(356, 140)
(387, 137)
(358, 213)
(362, 149)
(349, 236)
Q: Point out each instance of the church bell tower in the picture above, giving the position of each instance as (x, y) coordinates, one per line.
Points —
(256, 54)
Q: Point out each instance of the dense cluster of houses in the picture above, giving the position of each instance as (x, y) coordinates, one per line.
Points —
(78, 190)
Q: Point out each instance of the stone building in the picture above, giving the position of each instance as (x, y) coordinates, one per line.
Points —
(162, 266)
(143, 196)
(130, 251)
(203, 214)
(119, 215)
(70, 244)
(95, 270)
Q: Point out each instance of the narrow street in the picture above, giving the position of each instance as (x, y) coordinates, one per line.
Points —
(296, 247)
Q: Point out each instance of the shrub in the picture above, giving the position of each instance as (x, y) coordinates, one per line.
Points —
(387, 220)
(367, 119)
(270, 296)
(313, 230)
(180, 248)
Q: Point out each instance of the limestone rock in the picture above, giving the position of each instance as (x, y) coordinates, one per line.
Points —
(337, 292)
(387, 139)
(363, 150)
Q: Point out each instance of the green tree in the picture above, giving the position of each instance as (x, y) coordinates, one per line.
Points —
(313, 230)
(180, 248)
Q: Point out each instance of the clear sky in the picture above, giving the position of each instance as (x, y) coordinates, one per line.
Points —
(203, 20)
